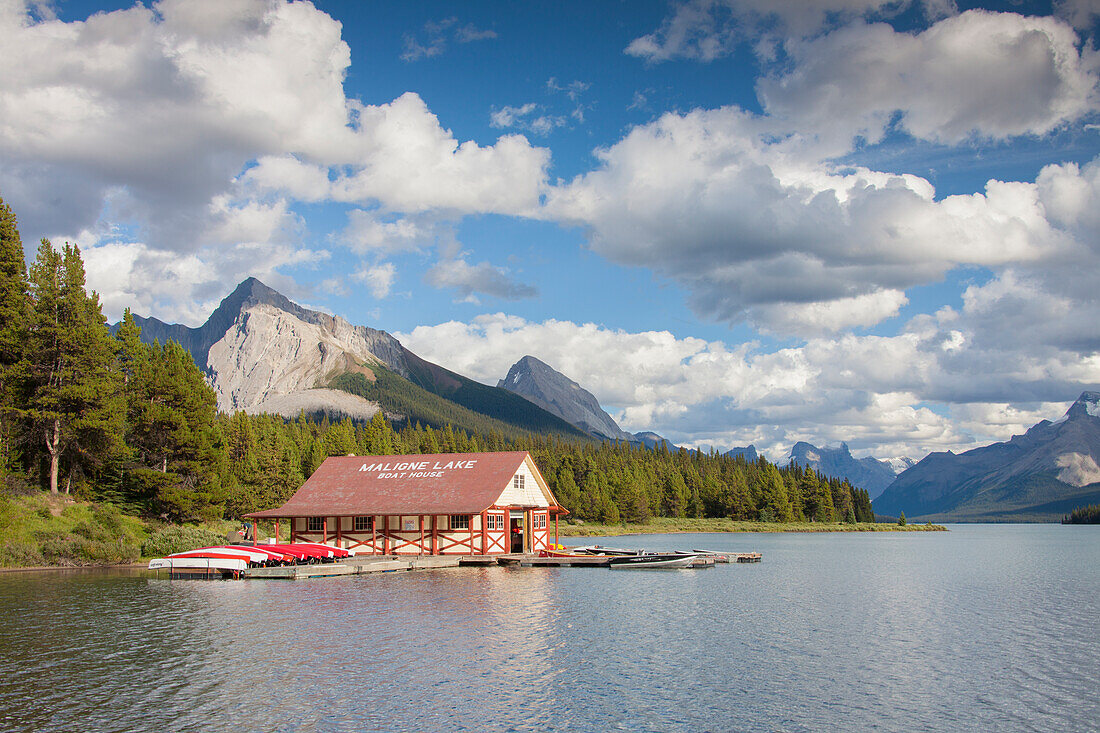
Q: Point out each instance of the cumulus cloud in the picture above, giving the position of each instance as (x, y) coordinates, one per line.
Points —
(995, 75)
(870, 391)
(760, 229)
(196, 124)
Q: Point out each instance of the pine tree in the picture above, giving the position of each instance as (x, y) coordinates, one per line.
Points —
(72, 381)
(14, 308)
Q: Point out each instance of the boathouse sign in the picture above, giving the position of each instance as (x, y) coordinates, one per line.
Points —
(415, 469)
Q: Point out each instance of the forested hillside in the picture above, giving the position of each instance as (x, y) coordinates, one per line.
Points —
(116, 420)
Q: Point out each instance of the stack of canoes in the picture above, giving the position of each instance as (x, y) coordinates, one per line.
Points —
(237, 558)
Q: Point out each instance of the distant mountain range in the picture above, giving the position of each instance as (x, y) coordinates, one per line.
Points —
(1037, 476)
(264, 353)
(748, 453)
(870, 474)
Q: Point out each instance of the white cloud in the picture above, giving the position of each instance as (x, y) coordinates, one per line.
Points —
(873, 392)
(758, 227)
(367, 231)
(379, 279)
(995, 75)
(433, 39)
(864, 390)
(470, 280)
(1078, 13)
(196, 122)
(810, 319)
(525, 118)
(705, 30)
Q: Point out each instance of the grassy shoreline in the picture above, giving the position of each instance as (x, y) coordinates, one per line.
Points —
(664, 525)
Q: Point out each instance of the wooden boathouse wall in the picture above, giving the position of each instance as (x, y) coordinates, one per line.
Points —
(492, 503)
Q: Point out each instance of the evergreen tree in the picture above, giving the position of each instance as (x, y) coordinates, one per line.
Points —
(171, 428)
(72, 381)
(14, 308)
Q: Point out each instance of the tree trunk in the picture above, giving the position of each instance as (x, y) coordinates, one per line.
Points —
(52, 445)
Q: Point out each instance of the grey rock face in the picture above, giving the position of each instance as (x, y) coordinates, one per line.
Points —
(258, 344)
(747, 452)
(558, 394)
(869, 474)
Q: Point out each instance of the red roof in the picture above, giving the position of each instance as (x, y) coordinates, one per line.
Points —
(443, 483)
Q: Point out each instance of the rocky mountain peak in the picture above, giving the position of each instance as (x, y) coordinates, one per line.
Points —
(556, 393)
(1087, 405)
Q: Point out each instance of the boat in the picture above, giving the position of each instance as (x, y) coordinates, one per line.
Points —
(614, 551)
(212, 563)
(223, 553)
(338, 552)
(655, 561)
(200, 567)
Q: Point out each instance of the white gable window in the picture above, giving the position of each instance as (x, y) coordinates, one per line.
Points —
(517, 482)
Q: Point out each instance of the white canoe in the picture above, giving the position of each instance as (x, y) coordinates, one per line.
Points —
(198, 563)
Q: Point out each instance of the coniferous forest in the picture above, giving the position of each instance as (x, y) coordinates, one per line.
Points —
(114, 420)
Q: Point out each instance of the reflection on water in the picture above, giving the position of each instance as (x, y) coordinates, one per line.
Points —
(984, 627)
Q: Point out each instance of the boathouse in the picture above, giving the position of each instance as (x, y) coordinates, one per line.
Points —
(437, 504)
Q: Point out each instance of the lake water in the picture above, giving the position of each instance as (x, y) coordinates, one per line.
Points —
(986, 627)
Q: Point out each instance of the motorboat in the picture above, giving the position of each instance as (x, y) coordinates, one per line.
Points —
(655, 561)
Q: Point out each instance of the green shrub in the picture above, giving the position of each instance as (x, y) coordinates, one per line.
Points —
(16, 554)
(60, 548)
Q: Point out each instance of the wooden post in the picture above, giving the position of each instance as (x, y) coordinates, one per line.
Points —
(255, 525)
(471, 522)
(276, 531)
(556, 540)
(324, 530)
(484, 533)
(421, 517)
(435, 535)
(339, 537)
(292, 523)
(374, 535)
(386, 535)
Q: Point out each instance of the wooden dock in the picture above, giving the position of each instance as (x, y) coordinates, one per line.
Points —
(399, 563)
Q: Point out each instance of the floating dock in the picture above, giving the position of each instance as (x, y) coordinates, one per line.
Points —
(367, 564)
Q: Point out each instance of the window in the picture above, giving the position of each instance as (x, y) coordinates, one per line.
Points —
(495, 522)
(538, 521)
(315, 524)
(460, 521)
(364, 524)
(517, 481)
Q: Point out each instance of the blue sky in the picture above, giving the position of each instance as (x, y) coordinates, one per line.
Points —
(734, 221)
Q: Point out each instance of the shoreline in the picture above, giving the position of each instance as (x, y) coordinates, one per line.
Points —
(729, 526)
(656, 526)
